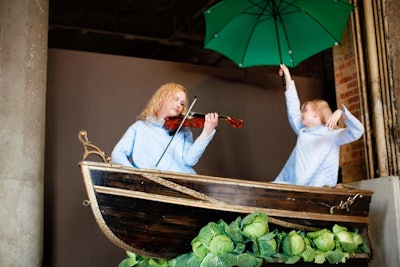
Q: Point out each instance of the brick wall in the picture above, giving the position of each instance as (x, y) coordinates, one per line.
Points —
(352, 156)
(393, 38)
(393, 11)
(353, 159)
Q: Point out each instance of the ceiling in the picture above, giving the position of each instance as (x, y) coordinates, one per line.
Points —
(170, 30)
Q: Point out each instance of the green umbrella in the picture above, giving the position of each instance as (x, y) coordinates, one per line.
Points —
(271, 32)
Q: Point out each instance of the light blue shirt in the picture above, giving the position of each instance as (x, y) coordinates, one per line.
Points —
(145, 141)
(314, 160)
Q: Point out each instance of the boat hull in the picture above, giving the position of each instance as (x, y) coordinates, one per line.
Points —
(157, 214)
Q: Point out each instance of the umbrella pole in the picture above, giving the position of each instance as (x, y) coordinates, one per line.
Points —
(278, 40)
(283, 80)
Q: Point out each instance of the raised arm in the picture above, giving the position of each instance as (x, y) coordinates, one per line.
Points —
(292, 100)
(354, 129)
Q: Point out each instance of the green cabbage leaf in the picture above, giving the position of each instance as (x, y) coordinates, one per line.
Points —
(255, 225)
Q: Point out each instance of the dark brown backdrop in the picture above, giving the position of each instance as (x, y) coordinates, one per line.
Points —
(103, 94)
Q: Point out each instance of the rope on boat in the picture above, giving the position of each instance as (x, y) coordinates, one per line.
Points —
(201, 196)
(345, 204)
(292, 225)
(371, 243)
(182, 189)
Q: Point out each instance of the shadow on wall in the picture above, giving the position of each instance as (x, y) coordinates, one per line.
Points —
(253, 152)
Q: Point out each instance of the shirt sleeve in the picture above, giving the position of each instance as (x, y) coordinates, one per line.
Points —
(354, 129)
(194, 151)
(293, 108)
(122, 151)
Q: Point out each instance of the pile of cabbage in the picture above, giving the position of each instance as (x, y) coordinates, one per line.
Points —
(248, 242)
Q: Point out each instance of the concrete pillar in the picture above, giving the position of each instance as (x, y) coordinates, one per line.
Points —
(23, 64)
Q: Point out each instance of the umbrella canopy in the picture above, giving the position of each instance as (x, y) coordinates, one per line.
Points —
(271, 32)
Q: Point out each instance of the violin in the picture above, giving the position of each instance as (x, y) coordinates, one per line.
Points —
(196, 120)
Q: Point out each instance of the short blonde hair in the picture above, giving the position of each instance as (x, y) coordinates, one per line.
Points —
(164, 93)
(325, 112)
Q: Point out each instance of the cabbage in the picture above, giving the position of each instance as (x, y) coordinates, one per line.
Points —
(267, 244)
(346, 240)
(255, 225)
(323, 239)
(313, 235)
(325, 242)
(137, 260)
(208, 232)
(333, 257)
(249, 243)
(308, 254)
(338, 228)
(233, 230)
(336, 256)
(293, 244)
(129, 261)
(358, 240)
(349, 241)
(221, 244)
(231, 259)
(212, 238)
(198, 248)
(142, 261)
(241, 260)
(158, 262)
(212, 260)
(319, 257)
(187, 260)
(364, 248)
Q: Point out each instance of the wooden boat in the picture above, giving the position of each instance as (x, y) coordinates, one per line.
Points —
(157, 213)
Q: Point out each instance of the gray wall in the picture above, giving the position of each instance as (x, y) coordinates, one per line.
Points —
(103, 94)
(384, 218)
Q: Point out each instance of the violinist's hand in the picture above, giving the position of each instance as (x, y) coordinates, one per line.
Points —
(210, 122)
(333, 120)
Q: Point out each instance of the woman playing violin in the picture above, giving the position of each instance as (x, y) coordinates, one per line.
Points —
(145, 141)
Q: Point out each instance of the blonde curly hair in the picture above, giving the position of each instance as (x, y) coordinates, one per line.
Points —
(165, 93)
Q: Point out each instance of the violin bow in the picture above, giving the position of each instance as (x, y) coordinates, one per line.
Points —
(177, 130)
